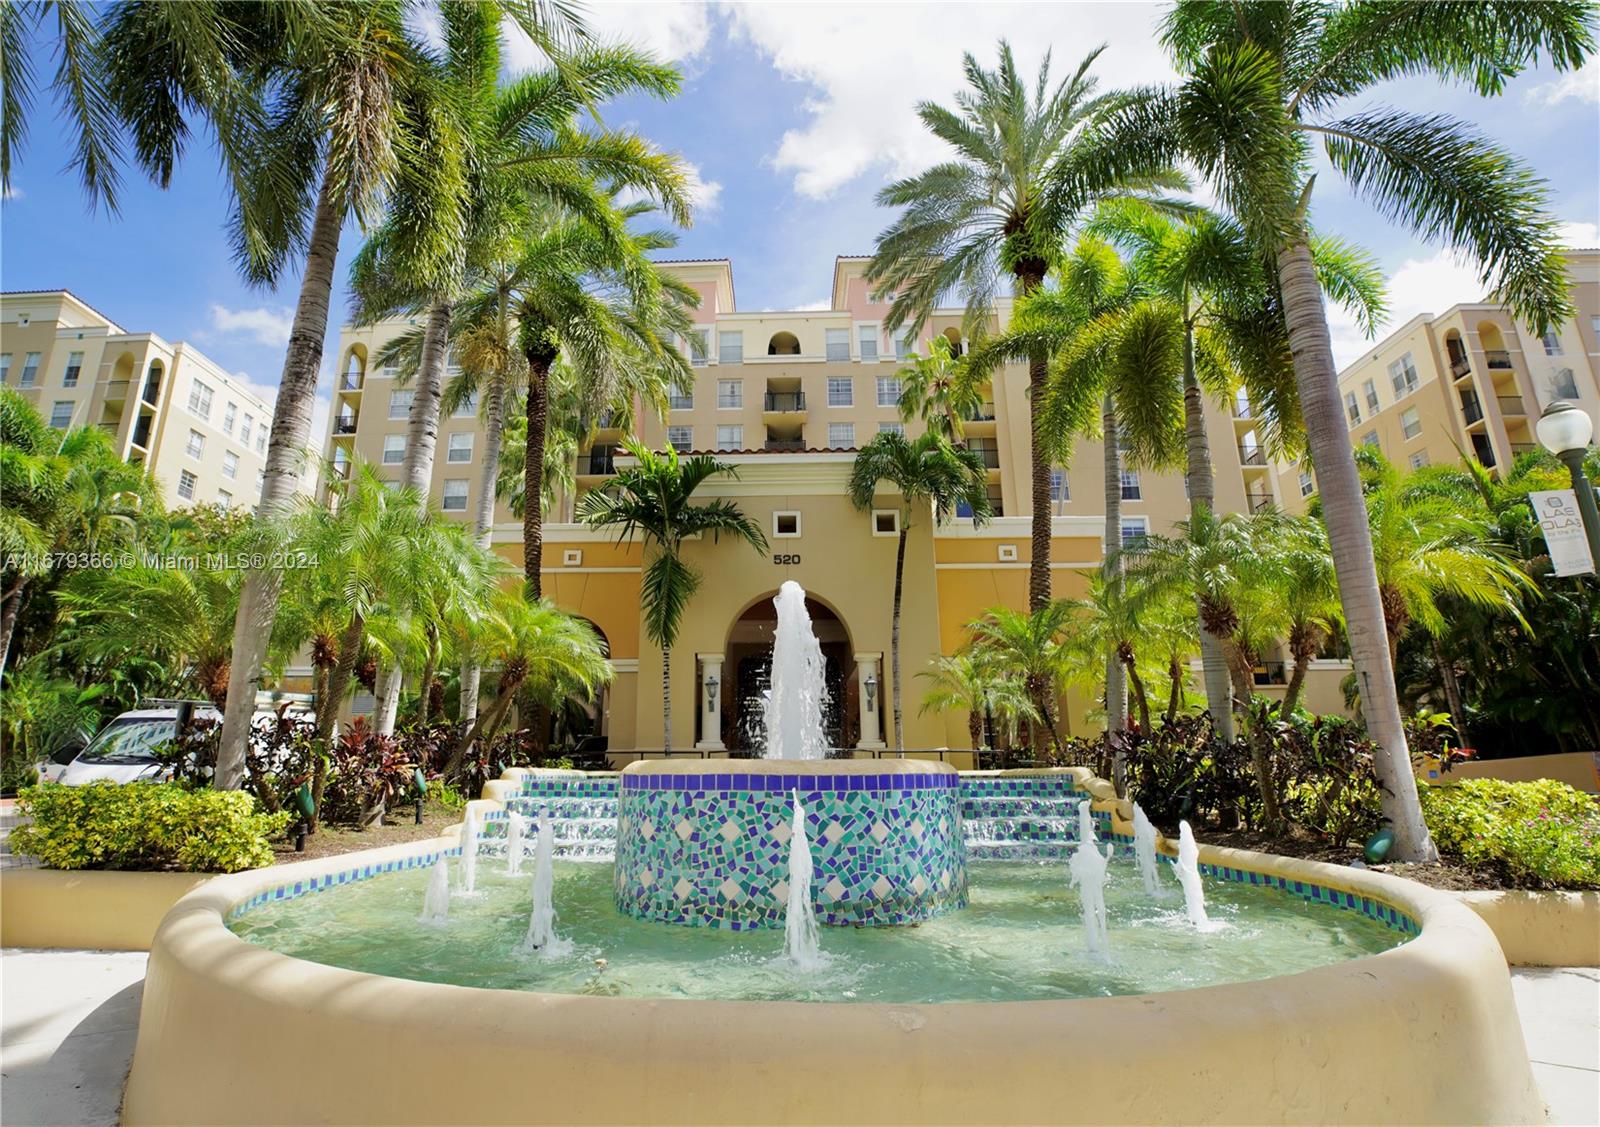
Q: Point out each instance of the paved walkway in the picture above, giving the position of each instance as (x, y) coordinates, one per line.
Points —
(68, 1021)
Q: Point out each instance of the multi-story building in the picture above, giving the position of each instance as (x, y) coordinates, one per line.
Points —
(787, 398)
(1470, 382)
(201, 433)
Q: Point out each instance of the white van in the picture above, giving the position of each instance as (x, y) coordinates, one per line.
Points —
(125, 749)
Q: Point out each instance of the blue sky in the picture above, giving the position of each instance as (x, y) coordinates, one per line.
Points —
(793, 115)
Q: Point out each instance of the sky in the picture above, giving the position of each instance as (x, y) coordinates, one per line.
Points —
(792, 117)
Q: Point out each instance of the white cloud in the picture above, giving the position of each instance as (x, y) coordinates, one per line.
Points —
(265, 326)
(1575, 233)
(1582, 84)
(11, 193)
(706, 195)
(1420, 285)
(672, 31)
(867, 66)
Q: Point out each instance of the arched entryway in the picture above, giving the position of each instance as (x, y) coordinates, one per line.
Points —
(746, 667)
(581, 723)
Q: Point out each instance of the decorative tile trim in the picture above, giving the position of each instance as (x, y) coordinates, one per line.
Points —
(783, 784)
(296, 889)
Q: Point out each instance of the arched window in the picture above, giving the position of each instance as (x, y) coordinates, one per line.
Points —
(783, 344)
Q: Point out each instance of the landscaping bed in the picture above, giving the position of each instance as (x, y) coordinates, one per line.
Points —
(330, 841)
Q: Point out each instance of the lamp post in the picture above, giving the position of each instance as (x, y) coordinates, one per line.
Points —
(1564, 429)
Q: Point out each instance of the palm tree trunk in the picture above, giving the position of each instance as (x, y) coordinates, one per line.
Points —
(975, 729)
(894, 633)
(424, 699)
(1452, 692)
(1116, 688)
(1029, 280)
(339, 679)
(486, 722)
(8, 618)
(1350, 537)
(291, 427)
(494, 422)
(666, 698)
(533, 474)
(1202, 501)
(1243, 673)
(1175, 690)
(1139, 696)
(1297, 678)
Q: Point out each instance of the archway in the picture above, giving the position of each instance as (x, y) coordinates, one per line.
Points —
(783, 344)
(747, 666)
(582, 723)
(953, 335)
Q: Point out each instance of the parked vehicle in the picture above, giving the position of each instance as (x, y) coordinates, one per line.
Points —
(127, 749)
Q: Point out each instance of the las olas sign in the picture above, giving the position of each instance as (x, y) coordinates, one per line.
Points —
(1562, 524)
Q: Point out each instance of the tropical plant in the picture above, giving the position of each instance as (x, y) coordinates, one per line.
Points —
(654, 499)
(1260, 83)
(938, 390)
(970, 681)
(925, 472)
(1301, 596)
(1031, 649)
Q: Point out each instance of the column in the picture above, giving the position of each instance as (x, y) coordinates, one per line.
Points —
(711, 689)
(869, 691)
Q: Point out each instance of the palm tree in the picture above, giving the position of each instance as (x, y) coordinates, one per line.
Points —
(654, 498)
(969, 680)
(1030, 649)
(1261, 82)
(1111, 619)
(926, 471)
(1303, 596)
(998, 207)
(937, 389)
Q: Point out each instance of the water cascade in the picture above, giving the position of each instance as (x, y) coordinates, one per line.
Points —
(436, 901)
(1088, 869)
(469, 853)
(800, 918)
(1194, 900)
(1144, 851)
(513, 843)
(799, 694)
(542, 935)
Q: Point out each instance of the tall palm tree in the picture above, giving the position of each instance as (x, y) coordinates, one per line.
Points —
(654, 499)
(998, 207)
(971, 681)
(1260, 83)
(1302, 596)
(926, 472)
(937, 389)
(1030, 648)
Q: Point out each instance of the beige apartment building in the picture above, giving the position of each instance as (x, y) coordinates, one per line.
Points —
(1469, 382)
(787, 398)
(166, 406)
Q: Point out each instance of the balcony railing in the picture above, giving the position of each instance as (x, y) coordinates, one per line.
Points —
(1511, 405)
(603, 460)
(785, 445)
(344, 425)
(141, 432)
(1260, 504)
(1498, 359)
(350, 381)
(1242, 409)
(115, 389)
(1460, 366)
(784, 401)
(1252, 456)
(1471, 410)
(989, 456)
(984, 414)
(152, 391)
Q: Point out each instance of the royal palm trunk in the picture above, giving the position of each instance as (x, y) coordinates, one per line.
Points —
(1116, 686)
(1028, 280)
(539, 363)
(1202, 502)
(1345, 514)
(291, 427)
(494, 415)
(894, 629)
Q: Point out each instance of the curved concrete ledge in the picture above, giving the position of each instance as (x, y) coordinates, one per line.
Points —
(789, 767)
(1541, 929)
(88, 909)
(1424, 1033)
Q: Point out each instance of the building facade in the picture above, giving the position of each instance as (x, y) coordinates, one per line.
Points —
(201, 433)
(787, 398)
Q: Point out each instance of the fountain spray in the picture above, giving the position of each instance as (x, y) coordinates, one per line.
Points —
(1088, 868)
(513, 843)
(799, 693)
(1194, 898)
(542, 935)
(800, 919)
(469, 852)
(436, 901)
(1144, 851)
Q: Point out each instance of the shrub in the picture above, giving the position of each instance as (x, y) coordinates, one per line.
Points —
(145, 826)
(1541, 832)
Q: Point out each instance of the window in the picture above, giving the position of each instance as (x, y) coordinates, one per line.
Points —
(1370, 439)
(245, 426)
(200, 400)
(1566, 386)
(230, 464)
(681, 399)
(1371, 388)
(224, 499)
(69, 378)
(888, 391)
(1135, 531)
(229, 414)
(5, 367)
(394, 449)
(390, 371)
(680, 438)
(261, 439)
(786, 525)
(61, 414)
(1352, 408)
(1059, 490)
(869, 343)
(699, 346)
(1552, 343)
(1419, 459)
(1403, 374)
(261, 481)
(1307, 485)
(730, 438)
(467, 408)
(730, 394)
(903, 346)
(1411, 422)
(730, 348)
(30, 370)
(841, 392)
(196, 445)
(186, 482)
(1130, 486)
(455, 495)
(838, 344)
(460, 448)
(886, 522)
(363, 703)
(841, 436)
(892, 428)
(400, 403)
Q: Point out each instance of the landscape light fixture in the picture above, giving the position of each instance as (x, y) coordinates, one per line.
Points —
(1564, 429)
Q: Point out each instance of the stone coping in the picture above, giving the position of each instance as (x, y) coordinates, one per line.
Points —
(1541, 929)
(790, 767)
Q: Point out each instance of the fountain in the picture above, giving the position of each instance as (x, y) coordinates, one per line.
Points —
(1194, 899)
(468, 873)
(436, 901)
(542, 935)
(1144, 851)
(798, 694)
(1088, 868)
(514, 842)
(800, 918)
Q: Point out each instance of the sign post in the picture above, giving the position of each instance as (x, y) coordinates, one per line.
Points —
(1562, 523)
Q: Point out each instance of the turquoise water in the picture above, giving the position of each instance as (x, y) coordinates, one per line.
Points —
(1021, 938)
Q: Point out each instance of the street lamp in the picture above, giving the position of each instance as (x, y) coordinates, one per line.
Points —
(1564, 429)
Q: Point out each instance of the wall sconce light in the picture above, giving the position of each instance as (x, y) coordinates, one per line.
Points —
(872, 692)
(712, 685)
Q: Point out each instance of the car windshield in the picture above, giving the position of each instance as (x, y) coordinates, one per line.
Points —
(130, 741)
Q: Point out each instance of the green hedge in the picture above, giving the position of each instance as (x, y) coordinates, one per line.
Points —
(145, 826)
(1542, 831)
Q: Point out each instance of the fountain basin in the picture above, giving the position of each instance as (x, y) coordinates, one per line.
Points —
(705, 843)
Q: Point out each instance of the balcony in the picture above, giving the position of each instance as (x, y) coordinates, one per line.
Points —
(1252, 456)
(602, 460)
(116, 390)
(988, 455)
(350, 381)
(1242, 409)
(983, 414)
(1511, 405)
(1270, 673)
(1259, 503)
(1460, 366)
(1471, 409)
(1498, 359)
(152, 390)
(783, 402)
(784, 445)
(344, 424)
(141, 431)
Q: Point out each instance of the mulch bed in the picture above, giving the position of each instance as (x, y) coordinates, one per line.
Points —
(330, 841)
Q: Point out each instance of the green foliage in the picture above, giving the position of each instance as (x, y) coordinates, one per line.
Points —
(145, 826)
(1541, 832)
(445, 796)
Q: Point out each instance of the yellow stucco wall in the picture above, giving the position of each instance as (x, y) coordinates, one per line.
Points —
(94, 910)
